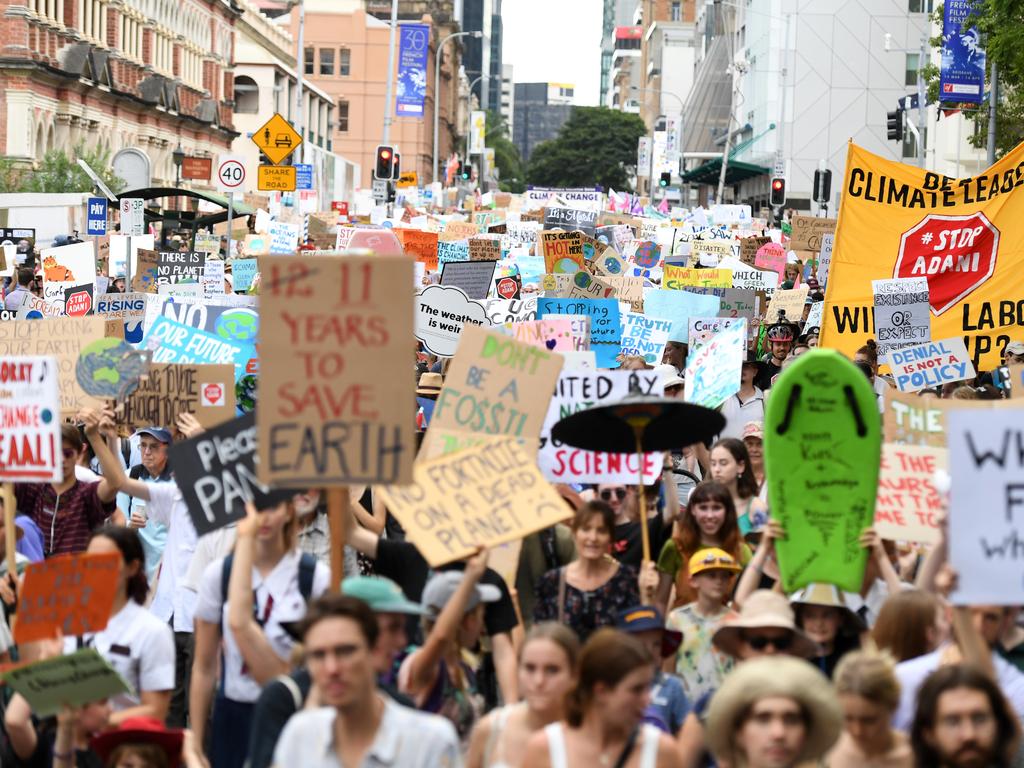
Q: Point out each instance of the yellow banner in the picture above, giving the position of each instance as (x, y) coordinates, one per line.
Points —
(966, 236)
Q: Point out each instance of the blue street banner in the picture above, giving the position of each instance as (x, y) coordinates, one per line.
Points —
(962, 73)
(303, 176)
(96, 222)
(412, 69)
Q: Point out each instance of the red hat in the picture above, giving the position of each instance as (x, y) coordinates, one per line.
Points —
(140, 730)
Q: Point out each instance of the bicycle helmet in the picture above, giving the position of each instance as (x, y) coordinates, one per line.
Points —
(780, 332)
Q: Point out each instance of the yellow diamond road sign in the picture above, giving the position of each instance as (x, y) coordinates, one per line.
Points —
(277, 139)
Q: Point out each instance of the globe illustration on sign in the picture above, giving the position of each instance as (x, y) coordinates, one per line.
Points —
(110, 368)
(237, 325)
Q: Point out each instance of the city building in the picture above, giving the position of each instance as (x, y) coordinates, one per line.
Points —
(265, 82)
(496, 69)
(146, 75)
(478, 16)
(346, 56)
(541, 110)
(667, 57)
(508, 97)
(615, 13)
(625, 74)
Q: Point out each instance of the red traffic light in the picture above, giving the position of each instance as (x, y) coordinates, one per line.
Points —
(778, 184)
(385, 154)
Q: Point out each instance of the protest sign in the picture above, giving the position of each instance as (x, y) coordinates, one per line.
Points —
(173, 342)
(485, 495)
(206, 242)
(30, 442)
(930, 365)
(814, 315)
(179, 267)
(609, 263)
(243, 272)
(908, 501)
(575, 391)
(501, 311)
(677, 278)
(902, 314)
(556, 217)
(713, 370)
(484, 248)
(69, 594)
(708, 253)
(257, 244)
(422, 245)
(749, 246)
(170, 389)
(230, 317)
(496, 386)
(679, 306)
(703, 329)
(110, 368)
(986, 500)
(80, 678)
(216, 473)
(645, 336)
(144, 276)
(441, 314)
(605, 323)
(452, 250)
(509, 287)
(555, 335)
(790, 303)
(284, 237)
(130, 308)
(825, 257)
(181, 290)
(748, 278)
(909, 419)
(586, 286)
(472, 277)
(563, 251)
(771, 256)
(580, 329)
(63, 338)
(338, 329)
(65, 267)
(78, 301)
(36, 307)
(458, 230)
(808, 231)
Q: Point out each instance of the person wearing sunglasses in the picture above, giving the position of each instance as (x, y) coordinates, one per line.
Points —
(68, 511)
(764, 627)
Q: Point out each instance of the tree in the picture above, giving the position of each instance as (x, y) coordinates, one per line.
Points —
(59, 172)
(511, 177)
(596, 145)
(1001, 24)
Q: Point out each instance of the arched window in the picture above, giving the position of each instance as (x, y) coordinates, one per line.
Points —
(247, 95)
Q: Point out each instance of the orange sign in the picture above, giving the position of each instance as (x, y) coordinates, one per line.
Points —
(276, 178)
(69, 593)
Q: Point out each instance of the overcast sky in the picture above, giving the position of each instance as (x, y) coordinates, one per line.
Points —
(555, 41)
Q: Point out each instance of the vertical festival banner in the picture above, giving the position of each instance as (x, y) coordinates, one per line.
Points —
(965, 237)
(414, 41)
(962, 70)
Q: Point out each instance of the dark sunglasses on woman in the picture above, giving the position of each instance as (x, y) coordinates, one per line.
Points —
(620, 493)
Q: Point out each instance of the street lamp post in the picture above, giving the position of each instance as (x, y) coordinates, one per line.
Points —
(437, 87)
(177, 157)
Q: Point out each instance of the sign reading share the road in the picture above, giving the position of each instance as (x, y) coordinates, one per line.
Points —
(231, 173)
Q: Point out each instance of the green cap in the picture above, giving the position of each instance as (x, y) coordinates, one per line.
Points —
(381, 594)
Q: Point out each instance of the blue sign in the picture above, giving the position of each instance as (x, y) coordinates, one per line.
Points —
(96, 223)
(303, 176)
(412, 69)
(962, 72)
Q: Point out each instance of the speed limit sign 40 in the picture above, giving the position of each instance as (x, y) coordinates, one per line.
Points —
(231, 173)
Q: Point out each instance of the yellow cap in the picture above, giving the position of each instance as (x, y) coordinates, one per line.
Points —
(713, 559)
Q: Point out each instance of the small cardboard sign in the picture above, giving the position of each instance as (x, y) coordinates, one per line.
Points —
(69, 594)
(509, 287)
(749, 246)
(74, 680)
(808, 231)
(170, 389)
(902, 313)
(790, 302)
(563, 251)
(144, 276)
(420, 244)
(30, 442)
(485, 248)
(908, 501)
(931, 365)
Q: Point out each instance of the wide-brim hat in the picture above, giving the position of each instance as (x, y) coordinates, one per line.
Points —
(777, 677)
(140, 730)
(430, 384)
(829, 596)
(764, 609)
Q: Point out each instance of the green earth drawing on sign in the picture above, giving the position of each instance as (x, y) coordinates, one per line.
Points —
(110, 368)
(238, 325)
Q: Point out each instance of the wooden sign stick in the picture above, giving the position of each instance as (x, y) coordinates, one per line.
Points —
(338, 519)
(9, 531)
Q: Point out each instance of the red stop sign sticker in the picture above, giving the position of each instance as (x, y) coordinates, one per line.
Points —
(213, 394)
(507, 287)
(955, 253)
(78, 304)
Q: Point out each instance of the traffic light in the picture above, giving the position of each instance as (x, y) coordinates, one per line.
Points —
(396, 168)
(665, 180)
(894, 125)
(822, 186)
(778, 192)
(385, 163)
(466, 171)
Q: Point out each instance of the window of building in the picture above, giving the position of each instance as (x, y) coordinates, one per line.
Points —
(344, 62)
(326, 61)
(343, 117)
(677, 11)
(309, 64)
(921, 6)
(247, 96)
(911, 69)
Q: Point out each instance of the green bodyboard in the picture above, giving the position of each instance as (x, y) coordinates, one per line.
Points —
(822, 450)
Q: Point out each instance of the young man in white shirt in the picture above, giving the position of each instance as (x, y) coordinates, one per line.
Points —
(357, 725)
(746, 405)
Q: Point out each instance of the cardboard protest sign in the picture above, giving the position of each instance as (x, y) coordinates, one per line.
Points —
(62, 337)
(173, 342)
(36, 307)
(333, 404)
(790, 302)
(74, 680)
(554, 335)
(930, 365)
(170, 389)
(771, 256)
(703, 329)
(908, 501)
(452, 250)
(679, 306)
(485, 495)
(243, 272)
(495, 386)
(586, 286)
(556, 286)
(985, 505)
(645, 336)
(130, 308)
(575, 391)
(30, 442)
(216, 472)
(501, 311)
(110, 368)
(422, 245)
(472, 277)
(563, 251)
(677, 278)
(179, 267)
(441, 314)
(605, 324)
(557, 217)
(808, 231)
(713, 370)
(909, 419)
(708, 253)
(206, 242)
(72, 594)
(144, 276)
(484, 248)
(749, 246)
(751, 279)
(902, 314)
(458, 230)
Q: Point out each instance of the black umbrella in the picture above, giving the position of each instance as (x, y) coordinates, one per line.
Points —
(639, 424)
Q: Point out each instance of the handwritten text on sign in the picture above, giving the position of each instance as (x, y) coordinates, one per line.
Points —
(30, 445)
(338, 330)
(908, 501)
(485, 495)
(69, 593)
(931, 365)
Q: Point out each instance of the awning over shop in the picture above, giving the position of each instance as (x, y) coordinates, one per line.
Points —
(736, 172)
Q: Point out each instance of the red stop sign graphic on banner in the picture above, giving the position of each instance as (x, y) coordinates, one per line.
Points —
(955, 253)
(213, 394)
(78, 304)
(507, 288)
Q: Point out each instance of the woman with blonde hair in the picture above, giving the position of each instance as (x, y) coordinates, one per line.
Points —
(869, 694)
(547, 672)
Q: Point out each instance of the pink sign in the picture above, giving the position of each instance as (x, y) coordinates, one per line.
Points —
(772, 256)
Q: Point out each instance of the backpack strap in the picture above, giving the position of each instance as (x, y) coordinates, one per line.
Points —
(225, 576)
(307, 570)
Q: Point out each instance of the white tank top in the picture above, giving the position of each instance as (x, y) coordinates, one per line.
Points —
(649, 736)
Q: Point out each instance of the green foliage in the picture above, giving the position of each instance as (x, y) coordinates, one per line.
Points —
(511, 177)
(596, 145)
(58, 172)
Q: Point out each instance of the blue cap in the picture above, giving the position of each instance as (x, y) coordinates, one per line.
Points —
(639, 618)
(161, 434)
